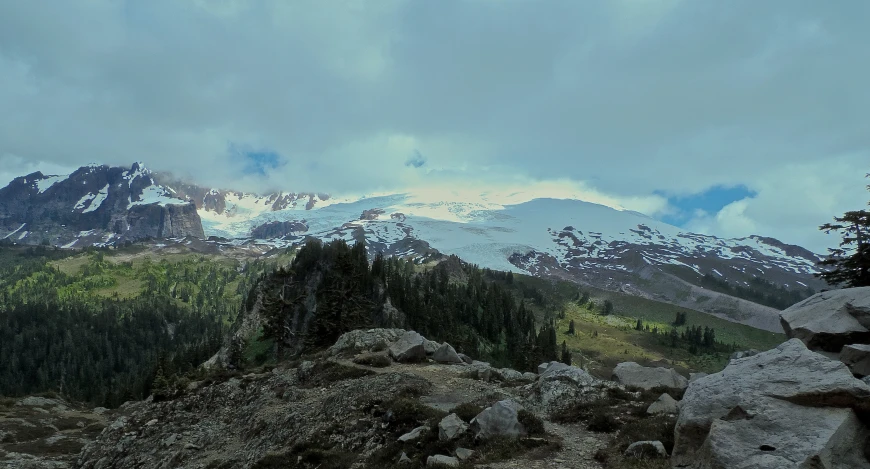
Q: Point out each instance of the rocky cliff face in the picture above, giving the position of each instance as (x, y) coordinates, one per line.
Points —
(94, 205)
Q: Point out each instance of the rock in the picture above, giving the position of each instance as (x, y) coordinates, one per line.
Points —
(665, 404)
(787, 407)
(404, 459)
(646, 450)
(410, 347)
(866, 380)
(543, 367)
(446, 354)
(562, 372)
(360, 340)
(465, 358)
(451, 427)
(508, 375)
(305, 369)
(464, 454)
(830, 320)
(34, 401)
(695, 377)
(499, 420)
(414, 434)
(857, 358)
(744, 354)
(151, 422)
(632, 374)
(529, 376)
(440, 459)
(431, 347)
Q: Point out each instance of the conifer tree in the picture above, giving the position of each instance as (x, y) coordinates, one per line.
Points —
(849, 264)
(566, 355)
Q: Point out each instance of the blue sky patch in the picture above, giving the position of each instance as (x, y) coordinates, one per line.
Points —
(416, 160)
(257, 162)
(710, 201)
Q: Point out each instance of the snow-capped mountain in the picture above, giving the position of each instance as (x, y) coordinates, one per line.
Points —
(569, 239)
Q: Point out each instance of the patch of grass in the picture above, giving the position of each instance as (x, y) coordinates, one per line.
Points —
(409, 413)
(603, 421)
(651, 428)
(532, 423)
(307, 456)
(326, 373)
(467, 411)
(375, 360)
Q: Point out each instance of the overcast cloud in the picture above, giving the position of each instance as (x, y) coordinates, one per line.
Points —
(633, 102)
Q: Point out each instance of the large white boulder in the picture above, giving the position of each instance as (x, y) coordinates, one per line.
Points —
(451, 427)
(409, 347)
(857, 358)
(829, 320)
(632, 374)
(502, 419)
(787, 407)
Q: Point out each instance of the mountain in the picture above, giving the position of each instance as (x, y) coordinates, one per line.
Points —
(744, 280)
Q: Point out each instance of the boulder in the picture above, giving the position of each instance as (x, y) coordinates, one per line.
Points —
(866, 380)
(465, 358)
(446, 354)
(413, 435)
(857, 358)
(665, 404)
(499, 420)
(463, 453)
(441, 460)
(562, 386)
(830, 320)
(695, 377)
(508, 375)
(409, 347)
(431, 347)
(451, 427)
(744, 354)
(529, 376)
(787, 407)
(362, 340)
(404, 459)
(646, 450)
(632, 374)
(562, 372)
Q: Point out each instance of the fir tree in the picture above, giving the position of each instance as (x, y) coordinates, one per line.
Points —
(849, 264)
(566, 355)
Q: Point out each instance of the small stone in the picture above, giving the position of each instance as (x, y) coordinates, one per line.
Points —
(191, 446)
(665, 404)
(442, 460)
(151, 422)
(463, 453)
(646, 450)
(404, 459)
(413, 434)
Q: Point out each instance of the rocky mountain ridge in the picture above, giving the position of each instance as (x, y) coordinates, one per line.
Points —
(565, 239)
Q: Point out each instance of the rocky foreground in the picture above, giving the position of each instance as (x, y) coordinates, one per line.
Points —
(390, 398)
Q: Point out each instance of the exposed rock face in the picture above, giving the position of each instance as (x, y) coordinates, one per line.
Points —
(499, 420)
(446, 354)
(364, 340)
(830, 320)
(788, 407)
(665, 404)
(560, 386)
(695, 377)
(279, 229)
(632, 374)
(646, 449)
(410, 347)
(94, 205)
(743, 354)
(451, 427)
(857, 358)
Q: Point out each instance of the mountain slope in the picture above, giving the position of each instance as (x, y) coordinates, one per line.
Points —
(550, 238)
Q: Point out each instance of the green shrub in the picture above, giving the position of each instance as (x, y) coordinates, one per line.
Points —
(467, 411)
(602, 421)
(532, 423)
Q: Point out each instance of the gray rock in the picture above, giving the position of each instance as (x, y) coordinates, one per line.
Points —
(465, 358)
(787, 407)
(451, 427)
(440, 459)
(499, 420)
(857, 358)
(665, 404)
(744, 354)
(404, 459)
(646, 449)
(544, 367)
(464, 454)
(562, 372)
(359, 340)
(508, 375)
(446, 354)
(632, 374)
(830, 320)
(413, 435)
(866, 380)
(431, 347)
(529, 376)
(410, 347)
(695, 377)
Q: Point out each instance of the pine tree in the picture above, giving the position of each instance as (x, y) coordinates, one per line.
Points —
(571, 329)
(608, 308)
(849, 264)
(566, 355)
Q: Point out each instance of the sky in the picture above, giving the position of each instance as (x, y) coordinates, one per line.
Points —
(729, 118)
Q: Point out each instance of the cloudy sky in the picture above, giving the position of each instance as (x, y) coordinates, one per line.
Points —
(725, 117)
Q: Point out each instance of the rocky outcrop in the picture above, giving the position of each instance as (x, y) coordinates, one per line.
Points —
(502, 419)
(788, 407)
(695, 377)
(830, 320)
(857, 358)
(632, 374)
(665, 404)
(361, 340)
(410, 347)
(169, 221)
(279, 229)
(447, 354)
